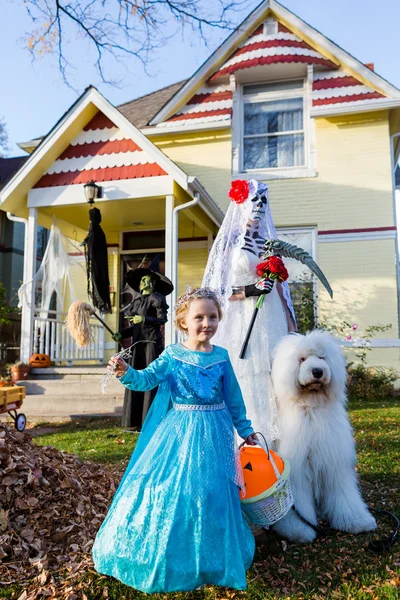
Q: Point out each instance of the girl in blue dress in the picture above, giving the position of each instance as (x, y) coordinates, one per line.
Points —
(175, 522)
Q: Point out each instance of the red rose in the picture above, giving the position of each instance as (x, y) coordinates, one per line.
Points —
(277, 268)
(239, 191)
(262, 269)
(272, 268)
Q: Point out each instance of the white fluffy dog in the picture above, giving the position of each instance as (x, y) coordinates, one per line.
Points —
(309, 377)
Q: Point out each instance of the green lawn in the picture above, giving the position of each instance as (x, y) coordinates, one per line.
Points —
(333, 567)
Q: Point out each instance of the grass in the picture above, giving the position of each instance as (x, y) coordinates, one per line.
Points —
(334, 567)
(97, 440)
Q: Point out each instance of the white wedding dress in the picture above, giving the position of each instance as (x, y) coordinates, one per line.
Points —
(254, 371)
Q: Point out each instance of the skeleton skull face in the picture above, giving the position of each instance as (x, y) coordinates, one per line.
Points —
(258, 208)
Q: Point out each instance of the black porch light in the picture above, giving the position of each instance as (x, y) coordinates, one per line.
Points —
(92, 191)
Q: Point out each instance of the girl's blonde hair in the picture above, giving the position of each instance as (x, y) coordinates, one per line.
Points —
(183, 303)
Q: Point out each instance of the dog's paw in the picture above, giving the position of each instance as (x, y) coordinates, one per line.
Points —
(295, 530)
(357, 524)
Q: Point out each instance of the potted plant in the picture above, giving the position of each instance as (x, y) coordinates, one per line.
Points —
(19, 371)
(6, 381)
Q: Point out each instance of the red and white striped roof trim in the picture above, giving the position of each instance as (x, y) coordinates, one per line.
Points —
(211, 103)
(261, 49)
(338, 88)
(100, 152)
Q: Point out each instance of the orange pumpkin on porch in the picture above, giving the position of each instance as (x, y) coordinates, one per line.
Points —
(258, 472)
(40, 360)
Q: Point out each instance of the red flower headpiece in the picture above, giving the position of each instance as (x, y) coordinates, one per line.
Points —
(239, 191)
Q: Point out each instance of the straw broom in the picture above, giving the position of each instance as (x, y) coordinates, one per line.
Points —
(78, 325)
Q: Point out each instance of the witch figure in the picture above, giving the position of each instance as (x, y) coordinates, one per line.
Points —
(147, 314)
(232, 272)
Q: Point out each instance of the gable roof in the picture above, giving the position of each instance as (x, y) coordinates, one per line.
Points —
(93, 125)
(308, 42)
(102, 151)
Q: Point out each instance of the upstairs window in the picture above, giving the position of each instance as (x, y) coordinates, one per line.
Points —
(273, 126)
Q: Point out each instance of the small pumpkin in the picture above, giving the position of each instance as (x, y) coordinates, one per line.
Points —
(40, 361)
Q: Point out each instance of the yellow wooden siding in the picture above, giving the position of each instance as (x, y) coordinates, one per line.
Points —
(352, 187)
(191, 268)
(206, 156)
(363, 278)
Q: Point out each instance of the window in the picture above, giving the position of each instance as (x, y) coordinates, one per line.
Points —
(302, 282)
(273, 126)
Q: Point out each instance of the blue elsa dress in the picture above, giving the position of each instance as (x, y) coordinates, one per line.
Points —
(175, 522)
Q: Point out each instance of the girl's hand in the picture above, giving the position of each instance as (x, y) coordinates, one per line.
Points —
(252, 439)
(118, 364)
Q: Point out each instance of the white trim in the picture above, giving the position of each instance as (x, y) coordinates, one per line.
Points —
(169, 210)
(144, 187)
(187, 127)
(373, 343)
(363, 236)
(334, 53)
(270, 174)
(357, 106)
(223, 118)
(29, 273)
(236, 124)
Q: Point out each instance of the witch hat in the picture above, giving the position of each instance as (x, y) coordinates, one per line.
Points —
(163, 285)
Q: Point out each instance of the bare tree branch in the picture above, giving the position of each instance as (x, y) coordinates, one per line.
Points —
(119, 29)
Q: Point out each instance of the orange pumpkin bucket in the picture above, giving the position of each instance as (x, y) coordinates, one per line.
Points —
(266, 496)
(258, 472)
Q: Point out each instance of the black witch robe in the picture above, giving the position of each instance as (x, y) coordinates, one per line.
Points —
(154, 308)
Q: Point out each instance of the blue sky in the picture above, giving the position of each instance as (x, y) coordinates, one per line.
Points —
(34, 96)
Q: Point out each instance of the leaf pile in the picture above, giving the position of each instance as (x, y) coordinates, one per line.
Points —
(51, 506)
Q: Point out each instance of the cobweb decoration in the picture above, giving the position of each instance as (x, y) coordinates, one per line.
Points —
(125, 354)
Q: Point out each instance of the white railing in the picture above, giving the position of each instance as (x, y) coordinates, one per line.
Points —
(51, 337)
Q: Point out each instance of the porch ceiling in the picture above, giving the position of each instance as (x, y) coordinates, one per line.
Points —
(125, 215)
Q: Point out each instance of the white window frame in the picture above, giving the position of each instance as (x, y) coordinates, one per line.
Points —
(308, 169)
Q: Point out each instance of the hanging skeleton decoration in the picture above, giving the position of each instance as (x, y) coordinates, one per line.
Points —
(98, 284)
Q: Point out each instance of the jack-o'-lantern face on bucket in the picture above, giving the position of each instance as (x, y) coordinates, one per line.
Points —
(258, 471)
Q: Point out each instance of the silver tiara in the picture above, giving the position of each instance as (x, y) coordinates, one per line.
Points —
(193, 293)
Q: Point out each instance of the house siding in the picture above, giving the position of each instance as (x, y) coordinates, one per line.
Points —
(352, 189)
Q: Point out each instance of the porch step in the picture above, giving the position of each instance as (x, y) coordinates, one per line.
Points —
(42, 407)
(71, 382)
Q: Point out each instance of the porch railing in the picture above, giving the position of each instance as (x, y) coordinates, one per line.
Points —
(51, 337)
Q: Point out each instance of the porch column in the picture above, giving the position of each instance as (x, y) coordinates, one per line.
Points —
(29, 273)
(169, 207)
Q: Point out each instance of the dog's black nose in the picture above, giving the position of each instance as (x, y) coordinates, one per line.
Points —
(317, 373)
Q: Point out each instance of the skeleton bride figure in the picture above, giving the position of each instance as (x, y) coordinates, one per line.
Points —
(231, 272)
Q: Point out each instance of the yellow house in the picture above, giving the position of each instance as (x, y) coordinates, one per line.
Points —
(278, 102)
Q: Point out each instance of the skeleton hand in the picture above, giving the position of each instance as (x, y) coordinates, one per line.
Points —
(137, 319)
(263, 286)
